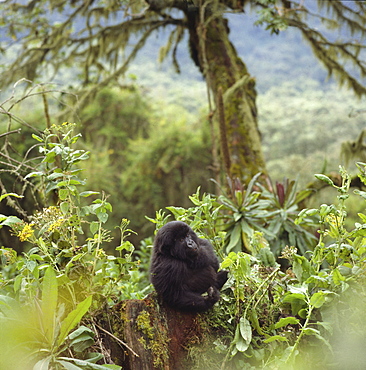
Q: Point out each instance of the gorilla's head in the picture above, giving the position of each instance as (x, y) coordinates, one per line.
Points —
(178, 240)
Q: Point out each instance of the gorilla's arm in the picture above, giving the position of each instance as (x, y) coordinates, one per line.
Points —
(182, 288)
(194, 302)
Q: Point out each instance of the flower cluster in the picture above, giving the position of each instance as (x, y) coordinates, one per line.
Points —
(26, 232)
(55, 225)
(51, 216)
(288, 252)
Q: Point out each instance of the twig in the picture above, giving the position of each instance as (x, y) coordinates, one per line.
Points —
(11, 132)
(118, 340)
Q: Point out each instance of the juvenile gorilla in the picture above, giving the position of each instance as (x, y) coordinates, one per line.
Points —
(183, 267)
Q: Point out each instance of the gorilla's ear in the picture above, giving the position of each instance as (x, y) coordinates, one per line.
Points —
(163, 242)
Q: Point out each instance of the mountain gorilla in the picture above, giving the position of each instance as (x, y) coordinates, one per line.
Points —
(183, 267)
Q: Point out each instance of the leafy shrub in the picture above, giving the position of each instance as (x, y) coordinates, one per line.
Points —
(66, 272)
(272, 210)
(270, 318)
(275, 319)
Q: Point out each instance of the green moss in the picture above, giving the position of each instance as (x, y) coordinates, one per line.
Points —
(144, 325)
(153, 338)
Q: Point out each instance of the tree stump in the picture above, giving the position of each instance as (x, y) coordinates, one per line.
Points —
(144, 335)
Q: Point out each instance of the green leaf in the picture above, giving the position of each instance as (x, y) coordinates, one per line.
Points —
(243, 335)
(294, 297)
(255, 322)
(55, 175)
(49, 303)
(11, 220)
(88, 193)
(360, 192)
(113, 367)
(301, 267)
(102, 217)
(82, 341)
(80, 331)
(36, 137)
(50, 157)
(94, 357)
(274, 338)
(303, 313)
(73, 318)
(18, 282)
(298, 289)
(43, 364)
(303, 194)
(227, 262)
(94, 227)
(235, 237)
(284, 321)
(64, 207)
(86, 364)
(311, 331)
(317, 299)
(337, 277)
(245, 329)
(63, 194)
(69, 366)
(244, 264)
(324, 178)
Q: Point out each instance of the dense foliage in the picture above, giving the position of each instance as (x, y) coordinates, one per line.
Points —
(268, 316)
(172, 150)
(90, 34)
(295, 297)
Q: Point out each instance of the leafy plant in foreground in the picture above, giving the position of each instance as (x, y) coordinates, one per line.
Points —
(202, 218)
(66, 265)
(35, 337)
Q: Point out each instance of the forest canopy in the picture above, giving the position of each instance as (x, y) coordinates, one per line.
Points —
(102, 38)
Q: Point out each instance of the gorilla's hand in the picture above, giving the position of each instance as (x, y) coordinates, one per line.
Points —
(213, 294)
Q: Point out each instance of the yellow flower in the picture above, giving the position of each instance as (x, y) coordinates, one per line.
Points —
(26, 233)
(55, 225)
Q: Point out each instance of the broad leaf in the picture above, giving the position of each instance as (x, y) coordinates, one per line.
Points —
(73, 318)
(274, 338)
(317, 299)
(49, 303)
(284, 321)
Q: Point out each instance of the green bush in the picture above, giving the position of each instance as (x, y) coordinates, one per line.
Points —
(268, 317)
(272, 318)
(66, 273)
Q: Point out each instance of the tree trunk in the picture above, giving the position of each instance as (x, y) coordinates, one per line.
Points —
(224, 70)
(143, 335)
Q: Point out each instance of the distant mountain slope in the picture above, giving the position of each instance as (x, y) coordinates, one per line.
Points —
(271, 60)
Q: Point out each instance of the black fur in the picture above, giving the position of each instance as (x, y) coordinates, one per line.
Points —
(183, 267)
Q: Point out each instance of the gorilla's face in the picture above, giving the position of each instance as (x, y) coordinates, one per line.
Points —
(188, 245)
(178, 240)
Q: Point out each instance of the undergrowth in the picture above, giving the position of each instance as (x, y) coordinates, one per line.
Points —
(304, 313)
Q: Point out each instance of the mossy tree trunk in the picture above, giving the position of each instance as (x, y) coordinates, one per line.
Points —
(226, 74)
(144, 335)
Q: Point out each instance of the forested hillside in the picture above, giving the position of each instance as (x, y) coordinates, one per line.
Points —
(303, 116)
